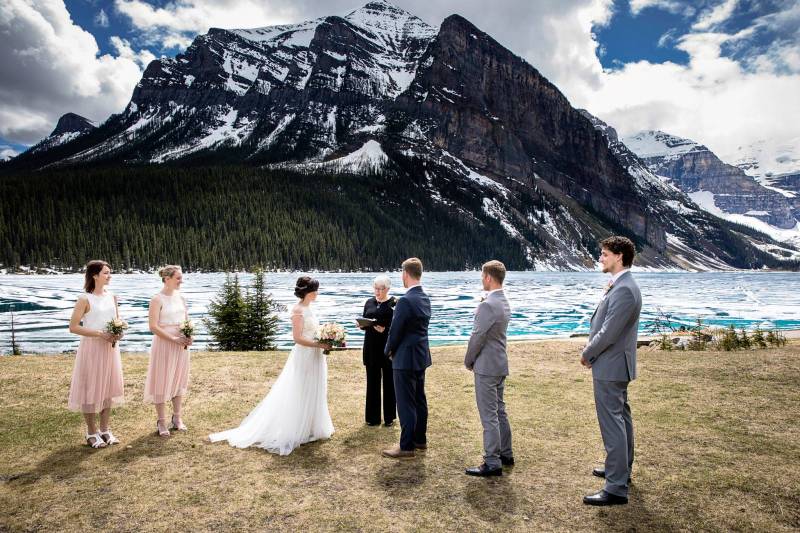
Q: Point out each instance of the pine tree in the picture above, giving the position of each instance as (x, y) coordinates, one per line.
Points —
(772, 339)
(227, 316)
(758, 338)
(261, 319)
(729, 339)
(744, 340)
(15, 349)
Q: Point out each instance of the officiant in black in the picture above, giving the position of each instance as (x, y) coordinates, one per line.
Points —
(379, 309)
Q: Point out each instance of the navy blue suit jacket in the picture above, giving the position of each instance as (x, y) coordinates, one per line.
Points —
(408, 334)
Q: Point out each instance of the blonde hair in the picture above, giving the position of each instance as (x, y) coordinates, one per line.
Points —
(413, 267)
(495, 269)
(168, 271)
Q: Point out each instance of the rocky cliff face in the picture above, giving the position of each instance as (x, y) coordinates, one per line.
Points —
(450, 111)
(69, 127)
(694, 168)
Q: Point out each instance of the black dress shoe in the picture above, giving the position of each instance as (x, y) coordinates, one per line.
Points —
(507, 461)
(599, 472)
(604, 498)
(373, 423)
(389, 424)
(483, 471)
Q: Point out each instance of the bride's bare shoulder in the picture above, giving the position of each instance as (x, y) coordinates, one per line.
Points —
(297, 309)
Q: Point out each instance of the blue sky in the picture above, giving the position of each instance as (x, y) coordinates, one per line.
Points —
(640, 64)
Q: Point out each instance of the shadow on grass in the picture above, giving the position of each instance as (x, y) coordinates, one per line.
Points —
(61, 464)
(635, 516)
(396, 475)
(491, 498)
(148, 445)
(313, 456)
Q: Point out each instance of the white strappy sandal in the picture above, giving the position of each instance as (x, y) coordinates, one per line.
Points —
(98, 441)
(109, 437)
(177, 427)
(165, 431)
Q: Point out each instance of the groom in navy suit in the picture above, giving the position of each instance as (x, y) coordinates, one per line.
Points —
(408, 349)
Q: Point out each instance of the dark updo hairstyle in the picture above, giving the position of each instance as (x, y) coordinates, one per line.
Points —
(305, 285)
(93, 268)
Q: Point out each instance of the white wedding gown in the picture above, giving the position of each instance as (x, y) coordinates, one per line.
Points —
(295, 410)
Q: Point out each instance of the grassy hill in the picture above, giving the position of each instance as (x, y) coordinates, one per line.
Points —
(718, 448)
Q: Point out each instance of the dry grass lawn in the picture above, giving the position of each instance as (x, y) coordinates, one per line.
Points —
(718, 448)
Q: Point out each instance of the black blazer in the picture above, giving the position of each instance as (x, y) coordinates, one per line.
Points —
(375, 342)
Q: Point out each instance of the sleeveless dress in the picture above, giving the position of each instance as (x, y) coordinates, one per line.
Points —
(168, 370)
(97, 375)
(295, 410)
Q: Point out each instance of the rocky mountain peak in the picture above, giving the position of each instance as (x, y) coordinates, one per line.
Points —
(72, 123)
(654, 143)
(460, 118)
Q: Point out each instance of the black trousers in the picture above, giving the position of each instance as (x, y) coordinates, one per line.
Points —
(372, 412)
(412, 406)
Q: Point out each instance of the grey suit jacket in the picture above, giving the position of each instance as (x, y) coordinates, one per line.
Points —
(614, 330)
(486, 351)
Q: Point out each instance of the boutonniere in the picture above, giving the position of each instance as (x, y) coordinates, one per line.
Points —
(608, 287)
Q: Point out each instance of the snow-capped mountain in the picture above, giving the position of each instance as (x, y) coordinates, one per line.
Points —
(449, 111)
(719, 188)
(69, 127)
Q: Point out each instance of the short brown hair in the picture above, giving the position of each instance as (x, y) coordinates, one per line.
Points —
(413, 267)
(620, 245)
(93, 268)
(495, 269)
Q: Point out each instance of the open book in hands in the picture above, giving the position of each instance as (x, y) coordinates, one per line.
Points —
(366, 322)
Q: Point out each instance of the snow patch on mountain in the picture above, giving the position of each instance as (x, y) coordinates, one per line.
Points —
(705, 200)
(651, 143)
(764, 160)
(369, 158)
(691, 259)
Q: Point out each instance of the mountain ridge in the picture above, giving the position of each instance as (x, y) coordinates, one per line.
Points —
(458, 115)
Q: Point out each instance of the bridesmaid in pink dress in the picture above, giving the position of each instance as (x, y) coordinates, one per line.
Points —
(168, 371)
(97, 383)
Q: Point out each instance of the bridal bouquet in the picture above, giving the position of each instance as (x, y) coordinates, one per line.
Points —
(116, 326)
(187, 330)
(331, 333)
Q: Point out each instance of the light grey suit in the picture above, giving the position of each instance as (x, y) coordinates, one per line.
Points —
(486, 356)
(612, 353)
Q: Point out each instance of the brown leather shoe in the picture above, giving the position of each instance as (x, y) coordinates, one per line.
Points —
(396, 453)
(423, 446)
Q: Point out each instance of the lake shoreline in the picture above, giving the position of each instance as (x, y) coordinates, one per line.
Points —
(576, 339)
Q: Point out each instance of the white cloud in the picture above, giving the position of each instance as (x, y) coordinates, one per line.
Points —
(6, 152)
(52, 66)
(124, 51)
(715, 15)
(673, 6)
(101, 19)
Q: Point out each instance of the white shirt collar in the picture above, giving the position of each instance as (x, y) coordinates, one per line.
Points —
(616, 276)
(494, 290)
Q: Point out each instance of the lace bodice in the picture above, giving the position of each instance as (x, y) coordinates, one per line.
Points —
(310, 322)
(173, 310)
(101, 310)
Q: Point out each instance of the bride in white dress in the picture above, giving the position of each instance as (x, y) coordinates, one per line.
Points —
(295, 410)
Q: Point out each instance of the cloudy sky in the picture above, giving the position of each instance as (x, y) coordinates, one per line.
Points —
(723, 72)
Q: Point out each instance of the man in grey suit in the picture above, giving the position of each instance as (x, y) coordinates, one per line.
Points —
(611, 355)
(486, 357)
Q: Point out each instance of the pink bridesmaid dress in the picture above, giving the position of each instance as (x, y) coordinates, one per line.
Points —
(168, 371)
(97, 375)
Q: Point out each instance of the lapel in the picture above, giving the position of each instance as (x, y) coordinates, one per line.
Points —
(605, 296)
